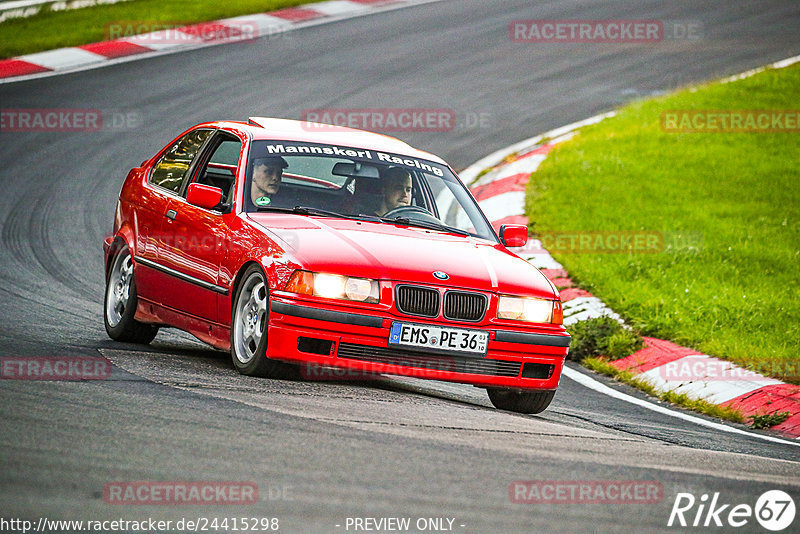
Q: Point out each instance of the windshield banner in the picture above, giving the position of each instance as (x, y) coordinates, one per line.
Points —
(287, 149)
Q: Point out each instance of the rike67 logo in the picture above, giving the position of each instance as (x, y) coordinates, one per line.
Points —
(774, 510)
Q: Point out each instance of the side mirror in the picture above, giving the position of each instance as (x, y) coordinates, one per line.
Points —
(204, 196)
(514, 235)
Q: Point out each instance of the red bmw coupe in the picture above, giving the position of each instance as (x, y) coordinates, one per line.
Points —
(300, 244)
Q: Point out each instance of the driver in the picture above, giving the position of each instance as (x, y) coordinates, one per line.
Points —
(267, 174)
(396, 190)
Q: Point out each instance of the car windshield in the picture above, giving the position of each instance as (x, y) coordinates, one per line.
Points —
(336, 181)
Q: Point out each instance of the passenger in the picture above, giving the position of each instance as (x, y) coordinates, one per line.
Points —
(267, 174)
(396, 190)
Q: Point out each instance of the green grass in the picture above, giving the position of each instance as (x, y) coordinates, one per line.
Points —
(49, 30)
(602, 336)
(769, 420)
(728, 204)
(601, 365)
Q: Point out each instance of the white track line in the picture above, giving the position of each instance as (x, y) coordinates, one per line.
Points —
(469, 174)
(777, 65)
(591, 383)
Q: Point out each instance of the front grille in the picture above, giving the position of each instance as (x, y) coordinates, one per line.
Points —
(405, 358)
(463, 306)
(416, 300)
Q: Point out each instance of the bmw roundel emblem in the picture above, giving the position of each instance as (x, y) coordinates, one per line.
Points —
(441, 275)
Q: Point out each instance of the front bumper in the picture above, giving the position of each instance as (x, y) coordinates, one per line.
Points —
(304, 332)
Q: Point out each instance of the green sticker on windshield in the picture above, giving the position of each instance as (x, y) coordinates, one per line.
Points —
(263, 201)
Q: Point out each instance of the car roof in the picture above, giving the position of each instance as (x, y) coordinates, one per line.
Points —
(267, 128)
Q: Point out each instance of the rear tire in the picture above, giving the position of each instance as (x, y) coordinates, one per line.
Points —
(120, 303)
(530, 402)
(249, 329)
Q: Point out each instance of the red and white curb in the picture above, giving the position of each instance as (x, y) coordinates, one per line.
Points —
(235, 29)
(498, 182)
(500, 191)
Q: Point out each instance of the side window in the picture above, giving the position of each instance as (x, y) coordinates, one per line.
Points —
(227, 153)
(170, 172)
(220, 171)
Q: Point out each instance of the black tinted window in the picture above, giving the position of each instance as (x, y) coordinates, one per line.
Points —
(170, 172)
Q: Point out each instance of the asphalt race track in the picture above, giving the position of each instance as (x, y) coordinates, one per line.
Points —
(324, 452)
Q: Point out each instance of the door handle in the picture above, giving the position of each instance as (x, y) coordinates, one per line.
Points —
(171, 214)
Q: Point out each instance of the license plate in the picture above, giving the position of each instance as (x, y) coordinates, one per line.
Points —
(439, 338)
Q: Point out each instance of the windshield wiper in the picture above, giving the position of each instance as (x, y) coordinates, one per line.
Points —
(310, 210)
(426, 224)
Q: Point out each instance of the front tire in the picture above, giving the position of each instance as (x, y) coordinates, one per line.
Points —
(249, 320)
(121, 301)
(530, 402)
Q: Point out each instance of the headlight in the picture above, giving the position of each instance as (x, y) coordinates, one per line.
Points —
(530, 309)
(334, 286)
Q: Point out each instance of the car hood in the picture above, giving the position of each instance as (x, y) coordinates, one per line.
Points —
(401, 253)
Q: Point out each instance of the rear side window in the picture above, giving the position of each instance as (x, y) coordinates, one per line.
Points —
(227, 153)
(220, 171)
(171, 170)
